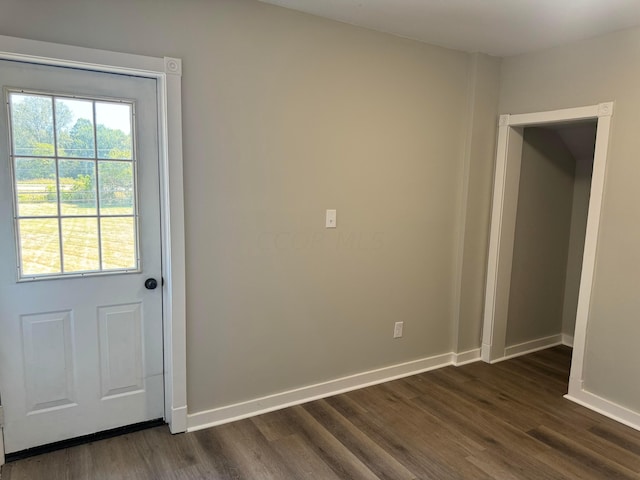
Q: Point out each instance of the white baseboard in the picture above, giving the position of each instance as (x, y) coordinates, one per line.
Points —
(604, 407)
(532, 346)
(258, 406)
(567, 340)
(239, 411)
(464, 358)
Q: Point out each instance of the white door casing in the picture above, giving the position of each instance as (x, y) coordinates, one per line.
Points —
(505, 191)
(1, 436)
(80, 354)
(167, 72)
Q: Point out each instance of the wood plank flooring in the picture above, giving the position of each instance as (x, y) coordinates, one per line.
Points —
(505, 421)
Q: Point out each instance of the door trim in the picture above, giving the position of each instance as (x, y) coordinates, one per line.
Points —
(505, 190)
(1, 437)
(168, 75)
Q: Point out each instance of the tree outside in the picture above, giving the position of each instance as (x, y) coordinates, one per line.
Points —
(32, 128)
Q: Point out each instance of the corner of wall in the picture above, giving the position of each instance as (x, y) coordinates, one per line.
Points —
(466, 135)
(476, 183)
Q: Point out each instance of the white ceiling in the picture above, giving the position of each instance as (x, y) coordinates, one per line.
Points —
(496, 27)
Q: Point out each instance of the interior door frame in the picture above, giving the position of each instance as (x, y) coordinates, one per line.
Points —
(503, 218)
(167, 72)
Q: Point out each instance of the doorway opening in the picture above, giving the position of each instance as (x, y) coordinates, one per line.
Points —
(551, 218)
(531, 276)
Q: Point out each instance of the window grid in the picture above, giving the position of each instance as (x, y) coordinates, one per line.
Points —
(96, 161)
(96, 170)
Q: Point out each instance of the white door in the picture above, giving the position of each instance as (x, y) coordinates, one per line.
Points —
(80, 335)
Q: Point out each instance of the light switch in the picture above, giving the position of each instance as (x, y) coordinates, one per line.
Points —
(331, 219)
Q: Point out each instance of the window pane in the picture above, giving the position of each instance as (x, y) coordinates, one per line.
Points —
(74, 128)
(40, 246)
(36, 187)
(80, 244)
(32, 125)
(114, 130)
(87, 161)
(116, 188)
(118, 243)
(77, 187)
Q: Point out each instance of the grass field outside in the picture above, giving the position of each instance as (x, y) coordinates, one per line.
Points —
(40, 240)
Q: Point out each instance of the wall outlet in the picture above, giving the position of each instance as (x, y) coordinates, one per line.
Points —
(331, 219)
(397, 329)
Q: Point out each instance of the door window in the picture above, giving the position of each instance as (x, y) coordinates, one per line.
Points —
(74, 175)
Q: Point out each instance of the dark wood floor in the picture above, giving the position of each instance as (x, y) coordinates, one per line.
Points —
(504, 421)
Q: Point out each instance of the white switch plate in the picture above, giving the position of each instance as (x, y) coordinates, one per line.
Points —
(397, 329)
(331, 219)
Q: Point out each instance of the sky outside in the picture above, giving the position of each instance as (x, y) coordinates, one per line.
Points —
(113, 115)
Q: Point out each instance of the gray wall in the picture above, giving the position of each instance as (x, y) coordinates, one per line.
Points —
(586, 73)
(286, 115)
(579, 211)
(541, 243)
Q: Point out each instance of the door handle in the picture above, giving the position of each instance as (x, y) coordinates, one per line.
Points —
(150, 283)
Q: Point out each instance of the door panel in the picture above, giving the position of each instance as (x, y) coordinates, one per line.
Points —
(83, 353)
(47, 345)
(121, 355)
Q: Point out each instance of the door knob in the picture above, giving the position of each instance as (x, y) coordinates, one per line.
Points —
(150, 283)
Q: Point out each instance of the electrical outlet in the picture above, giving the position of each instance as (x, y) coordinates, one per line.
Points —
(331, 219)
(397, 329)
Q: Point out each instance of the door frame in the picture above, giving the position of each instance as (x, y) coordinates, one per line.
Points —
(167, 72)
(503, 219)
